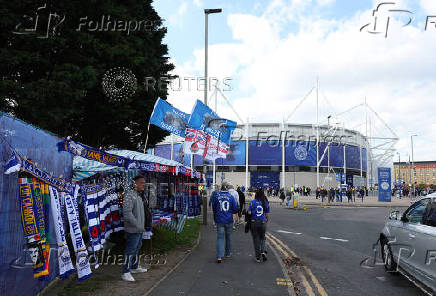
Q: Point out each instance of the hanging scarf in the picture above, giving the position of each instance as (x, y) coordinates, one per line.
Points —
(32, 217)
(119, 161)
(64, 258)
(82, 263)
(103, 216)
(92, 153)
(90, 197)
(62, 185)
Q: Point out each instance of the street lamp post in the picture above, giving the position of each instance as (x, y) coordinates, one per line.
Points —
(206, 45)
(399, 173)
(413, 167)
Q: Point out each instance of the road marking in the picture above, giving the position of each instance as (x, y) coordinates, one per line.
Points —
(289, 232)
(307, 269)
(283, 282)
(306, 284)
(336, 239)
(341, 240)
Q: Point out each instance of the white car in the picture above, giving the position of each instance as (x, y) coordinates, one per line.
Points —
(408, 243)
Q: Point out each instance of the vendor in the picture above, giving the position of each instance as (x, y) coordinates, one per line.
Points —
(134, 221)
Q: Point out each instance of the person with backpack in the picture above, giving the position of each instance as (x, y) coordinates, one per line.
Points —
(224, 208)
(259, 211)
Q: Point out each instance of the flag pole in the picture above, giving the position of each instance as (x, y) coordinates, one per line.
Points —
(146, 138)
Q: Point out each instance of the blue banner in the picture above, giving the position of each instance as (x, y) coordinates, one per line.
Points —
(169, 118)
(340, 177)
(300, 153)
(352, 156)
(203, 118)
(180, 156)
(163, 151)
(265, 179)
(325, 160)
(364, 160)
(336, 155)
(264, 153)
(384, 184)
(235, 154)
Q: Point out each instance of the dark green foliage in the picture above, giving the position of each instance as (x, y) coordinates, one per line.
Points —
(56, 82)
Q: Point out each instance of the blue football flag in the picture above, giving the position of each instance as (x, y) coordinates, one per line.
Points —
(169, 118)
(204, 118)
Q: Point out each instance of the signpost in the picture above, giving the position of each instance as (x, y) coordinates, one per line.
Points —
(384, 184)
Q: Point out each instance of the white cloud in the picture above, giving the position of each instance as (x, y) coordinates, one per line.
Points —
(198, 3)
(273, 71)
(176, 19)
(429, 6)
(325, 2)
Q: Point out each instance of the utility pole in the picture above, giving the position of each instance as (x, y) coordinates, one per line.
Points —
(413, 166)
(206, 45)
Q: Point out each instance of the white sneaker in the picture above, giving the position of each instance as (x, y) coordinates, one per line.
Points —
(138, 270)
(127, 277)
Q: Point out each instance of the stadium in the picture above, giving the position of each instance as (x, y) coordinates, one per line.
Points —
(257, 157)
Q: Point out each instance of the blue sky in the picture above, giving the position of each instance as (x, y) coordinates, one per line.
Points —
(275, 50)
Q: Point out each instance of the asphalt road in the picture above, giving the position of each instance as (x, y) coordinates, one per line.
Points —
(332, 242)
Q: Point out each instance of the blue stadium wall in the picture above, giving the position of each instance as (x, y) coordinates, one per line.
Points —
(39, 146)
(261, 153)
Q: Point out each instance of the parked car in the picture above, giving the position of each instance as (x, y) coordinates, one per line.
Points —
(408, 243)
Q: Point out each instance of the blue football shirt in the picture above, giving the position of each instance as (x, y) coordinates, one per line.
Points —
(224, 206)
(257, 210)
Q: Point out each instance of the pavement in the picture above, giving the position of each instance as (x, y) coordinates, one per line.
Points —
(368, 201)
(200, 275)
(320, 251)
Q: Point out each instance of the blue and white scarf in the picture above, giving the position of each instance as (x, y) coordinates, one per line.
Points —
(82, 262)
(65, 265)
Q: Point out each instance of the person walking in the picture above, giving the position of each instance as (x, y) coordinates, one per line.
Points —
(235, 195)
(259, 211)
(224, 210)
(332, 195)
(134, 222)
(241, 196)
(282, 196)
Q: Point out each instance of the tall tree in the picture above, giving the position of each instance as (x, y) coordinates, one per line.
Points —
(52, 75)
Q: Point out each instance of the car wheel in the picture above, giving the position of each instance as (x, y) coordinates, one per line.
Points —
(387, 256)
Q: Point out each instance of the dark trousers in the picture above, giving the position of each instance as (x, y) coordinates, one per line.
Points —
(258, 228)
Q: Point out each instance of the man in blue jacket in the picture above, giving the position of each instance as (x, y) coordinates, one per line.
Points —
(224, 209)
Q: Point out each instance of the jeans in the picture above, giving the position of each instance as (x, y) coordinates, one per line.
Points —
(223, 232)
(258, 228)
(133, 244)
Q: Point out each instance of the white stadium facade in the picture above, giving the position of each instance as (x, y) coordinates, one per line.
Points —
(258, 158)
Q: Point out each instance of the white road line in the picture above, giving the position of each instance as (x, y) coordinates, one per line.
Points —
(336, 239)
(341, 240)
(289, 232)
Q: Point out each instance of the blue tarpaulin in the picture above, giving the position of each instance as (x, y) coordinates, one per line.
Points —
(40, 146)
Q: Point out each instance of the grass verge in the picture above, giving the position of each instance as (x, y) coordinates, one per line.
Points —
(163, 242)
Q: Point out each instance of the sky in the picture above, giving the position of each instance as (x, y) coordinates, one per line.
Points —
(267, 56)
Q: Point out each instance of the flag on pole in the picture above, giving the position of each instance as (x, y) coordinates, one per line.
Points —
(205, 119)
(195, 142)
(169, 118)
(209, 147)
